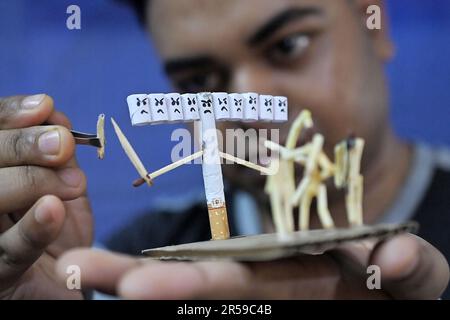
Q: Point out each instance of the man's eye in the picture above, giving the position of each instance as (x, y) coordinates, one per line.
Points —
(209, 81)
(289, 48)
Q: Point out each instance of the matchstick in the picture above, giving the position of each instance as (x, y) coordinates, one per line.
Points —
(304, 210)
(281, 211)
(245, 163)
(328, 168)
(322, 207)
(298, 155)
(131, 153)
(101, 136)
(304, 120)
(355, 183)
(175, 165)
(341, 165)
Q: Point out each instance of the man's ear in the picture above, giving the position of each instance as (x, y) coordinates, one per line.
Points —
(372, 13)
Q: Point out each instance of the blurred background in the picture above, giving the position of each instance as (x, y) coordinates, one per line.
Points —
(92, 70)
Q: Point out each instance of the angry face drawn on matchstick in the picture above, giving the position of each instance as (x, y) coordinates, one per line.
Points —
(266, 107)
(205, 108)
(158, 108)
(138, 106)
(280, 109)
(237, 106)
(173, 103)
(190, 106)
(250, 106)
(221, 106)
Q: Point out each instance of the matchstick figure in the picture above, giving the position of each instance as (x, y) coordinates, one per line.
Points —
(281, 185)
(202, 106)
(317, 169)
(348, 155)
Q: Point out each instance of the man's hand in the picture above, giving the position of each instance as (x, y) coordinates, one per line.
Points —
(410, 269)
(43, 206)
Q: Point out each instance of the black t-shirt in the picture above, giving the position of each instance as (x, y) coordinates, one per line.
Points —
(191, 225)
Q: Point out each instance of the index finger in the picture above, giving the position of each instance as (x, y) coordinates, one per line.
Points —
(18, 112)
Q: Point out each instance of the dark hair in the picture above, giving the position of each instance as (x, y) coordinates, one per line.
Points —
(139, 6)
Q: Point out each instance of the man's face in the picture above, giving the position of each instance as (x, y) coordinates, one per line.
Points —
(318, 53)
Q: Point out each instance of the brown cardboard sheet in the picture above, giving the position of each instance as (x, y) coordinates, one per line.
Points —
(265, 247)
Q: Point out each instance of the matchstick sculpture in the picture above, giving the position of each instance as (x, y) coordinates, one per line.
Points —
(207, 108)
(317, 169)
(284, 195)
(316, 172)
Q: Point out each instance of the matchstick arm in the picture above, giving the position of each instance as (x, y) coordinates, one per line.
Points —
(245, 163)
(170, 167)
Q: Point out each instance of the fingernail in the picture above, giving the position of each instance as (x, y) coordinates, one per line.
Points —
(34, 101)
(71, 177)
(49, 142)
(43, 215)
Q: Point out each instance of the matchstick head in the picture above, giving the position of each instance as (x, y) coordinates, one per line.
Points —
(221, 106)
(236, 106)
(280, 109)
(174, 108)
(190, 106)
(158, 108)
(251, 101)
(266, 107)
(138, 106)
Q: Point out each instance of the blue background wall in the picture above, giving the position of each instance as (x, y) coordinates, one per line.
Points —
(92, 70)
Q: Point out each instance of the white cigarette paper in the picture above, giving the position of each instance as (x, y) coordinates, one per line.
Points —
(266, 108)
(158, 108)
(236, 106)
(138, 106)
(221, 106)
(190, 106)
(174, 108)
(280, 109)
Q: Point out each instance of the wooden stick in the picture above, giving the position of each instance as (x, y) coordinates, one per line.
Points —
(301, 190)
(328, 168)
(175, 164)
(101, 136)
(322, 207)
(304, 210)
(298, 154)
(281, 210)
(245, 163)
(304, 120)
(341, 159)
(157, 173)
(131, 153)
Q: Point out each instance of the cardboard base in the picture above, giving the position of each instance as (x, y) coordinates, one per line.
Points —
(266, 247)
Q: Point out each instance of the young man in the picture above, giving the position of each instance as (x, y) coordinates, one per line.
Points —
(320, 55)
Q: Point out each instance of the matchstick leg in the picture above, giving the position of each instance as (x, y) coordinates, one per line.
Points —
(304, 210)
(277, 213)
(324, 213)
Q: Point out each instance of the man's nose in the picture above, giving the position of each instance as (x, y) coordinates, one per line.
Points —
(252, 78)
